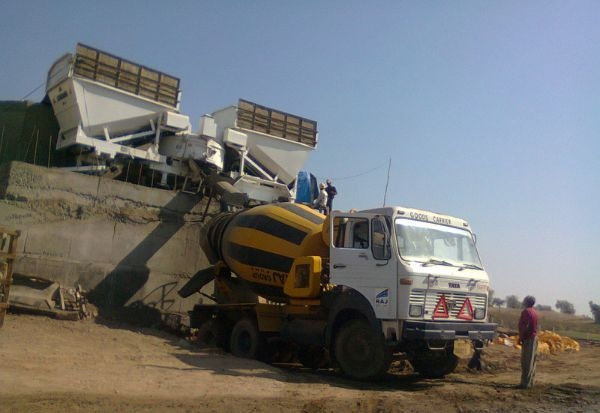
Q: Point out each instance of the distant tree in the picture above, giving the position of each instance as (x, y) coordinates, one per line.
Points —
(498, 302)
(564, 307)
(512, 301)
(541, 307)
(595, 308)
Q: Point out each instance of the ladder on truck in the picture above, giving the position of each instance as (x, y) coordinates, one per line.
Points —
(8, 253)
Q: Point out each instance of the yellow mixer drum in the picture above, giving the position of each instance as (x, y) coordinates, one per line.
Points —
(261, 243)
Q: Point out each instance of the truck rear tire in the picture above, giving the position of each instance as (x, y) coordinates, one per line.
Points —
(220, 328)
(246, 340)
(360, 351)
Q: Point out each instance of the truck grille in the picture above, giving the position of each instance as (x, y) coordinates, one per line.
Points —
(454, 301)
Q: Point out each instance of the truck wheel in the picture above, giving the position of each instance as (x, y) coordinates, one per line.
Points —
(246, 341)
(280, 351)
(313, 357)
(221, 332)
(204, 335)
(435, 365)
(360, 351)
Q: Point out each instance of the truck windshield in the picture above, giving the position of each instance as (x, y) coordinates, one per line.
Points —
(433, 244)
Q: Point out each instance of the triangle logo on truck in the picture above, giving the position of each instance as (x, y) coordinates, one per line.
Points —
(441, 309)
(466, 311)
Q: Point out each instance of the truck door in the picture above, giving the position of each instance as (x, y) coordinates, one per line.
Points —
(361, 259)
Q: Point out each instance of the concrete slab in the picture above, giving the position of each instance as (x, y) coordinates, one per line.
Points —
(51, 240)
(92, 240)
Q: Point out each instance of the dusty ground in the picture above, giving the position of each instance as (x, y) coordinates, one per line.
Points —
(90, 366)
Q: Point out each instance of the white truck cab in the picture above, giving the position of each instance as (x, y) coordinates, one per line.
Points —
(422, 276)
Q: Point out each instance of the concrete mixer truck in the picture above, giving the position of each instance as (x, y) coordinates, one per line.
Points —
(351, 290)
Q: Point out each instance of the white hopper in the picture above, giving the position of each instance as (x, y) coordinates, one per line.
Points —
(100, 97)
(277, 143)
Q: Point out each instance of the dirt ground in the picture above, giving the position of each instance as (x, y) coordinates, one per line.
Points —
(48, 365)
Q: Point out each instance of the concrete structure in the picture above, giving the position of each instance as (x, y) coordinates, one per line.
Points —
(131, 247)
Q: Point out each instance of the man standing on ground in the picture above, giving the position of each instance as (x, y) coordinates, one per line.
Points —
(331, 193)
(528, 327)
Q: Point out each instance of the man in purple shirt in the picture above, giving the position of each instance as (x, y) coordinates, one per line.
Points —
(528, 327)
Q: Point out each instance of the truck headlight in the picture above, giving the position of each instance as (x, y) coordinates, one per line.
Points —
(415, 310)
(479, 313)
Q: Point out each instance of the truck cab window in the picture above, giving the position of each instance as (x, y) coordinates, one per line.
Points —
(349, 232)
(423, 241)
(360, 233)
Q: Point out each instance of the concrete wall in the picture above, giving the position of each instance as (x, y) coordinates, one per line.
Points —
(28, 131)
(131, 247)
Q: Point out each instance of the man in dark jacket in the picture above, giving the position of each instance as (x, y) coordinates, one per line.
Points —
(331, 193)
(528, 327)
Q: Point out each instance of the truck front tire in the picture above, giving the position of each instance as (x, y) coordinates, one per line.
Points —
(360, 351)
(435, 364)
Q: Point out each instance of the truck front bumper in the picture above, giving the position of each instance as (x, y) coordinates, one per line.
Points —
(431, 330)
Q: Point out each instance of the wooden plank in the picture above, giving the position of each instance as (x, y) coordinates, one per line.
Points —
(277, 123)
(114, 71)
(10, 231)
(8, 253)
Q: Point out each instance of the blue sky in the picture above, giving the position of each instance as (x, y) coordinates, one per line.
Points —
(487, 110)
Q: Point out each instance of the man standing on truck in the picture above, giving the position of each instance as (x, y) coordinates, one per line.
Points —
(331, 193)
(528, 326)
(321, 202)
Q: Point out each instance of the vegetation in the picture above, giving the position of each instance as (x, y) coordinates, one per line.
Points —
(495, 301)
(490, 296)
(577, 327)
(498, 302)
(564, 307)
(595, 309)
(512, 301)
